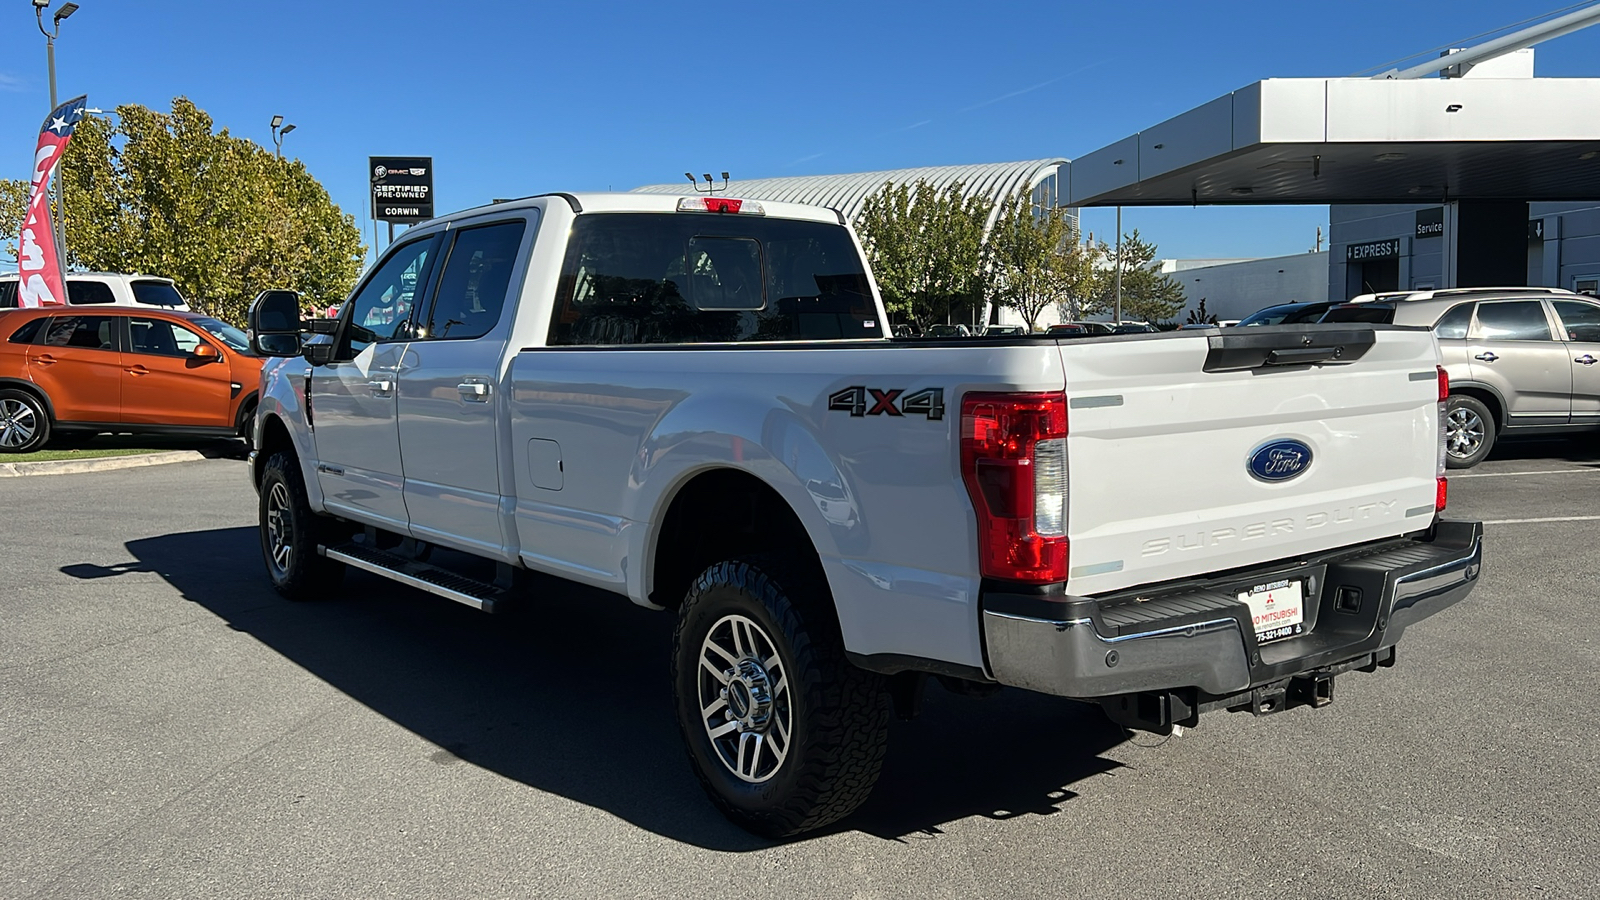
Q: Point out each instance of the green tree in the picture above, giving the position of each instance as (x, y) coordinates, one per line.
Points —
(925, 246)
(1200, 316)
(1032, 259)
(1147, 292)
(165, 194)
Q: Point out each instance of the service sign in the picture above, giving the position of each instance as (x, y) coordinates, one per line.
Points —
(1430, 222)
(402, 188)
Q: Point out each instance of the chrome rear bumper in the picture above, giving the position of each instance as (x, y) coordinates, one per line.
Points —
(1360, 600)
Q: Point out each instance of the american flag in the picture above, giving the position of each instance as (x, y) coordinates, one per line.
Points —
(38, 260)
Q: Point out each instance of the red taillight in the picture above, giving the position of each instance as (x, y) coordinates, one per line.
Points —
(1444, 384)
(1442, 495)
(1442, 492)
(1014, 462)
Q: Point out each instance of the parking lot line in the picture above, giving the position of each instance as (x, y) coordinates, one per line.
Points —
(1574, 469)
(1550, 519)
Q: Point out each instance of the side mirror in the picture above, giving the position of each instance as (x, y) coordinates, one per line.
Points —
(274, 323)
(205, 353)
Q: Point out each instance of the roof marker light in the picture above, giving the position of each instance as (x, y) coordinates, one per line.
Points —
(720, 205)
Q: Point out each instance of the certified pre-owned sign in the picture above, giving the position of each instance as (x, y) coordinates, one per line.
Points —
(402, 188)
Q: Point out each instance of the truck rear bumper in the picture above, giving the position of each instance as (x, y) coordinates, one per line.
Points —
(1198, 635)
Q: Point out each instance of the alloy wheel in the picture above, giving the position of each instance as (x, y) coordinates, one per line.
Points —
(1464, 432)
(18, 424)
(745, 701)
(280, 528)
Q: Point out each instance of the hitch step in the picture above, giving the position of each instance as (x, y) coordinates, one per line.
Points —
(420, 575)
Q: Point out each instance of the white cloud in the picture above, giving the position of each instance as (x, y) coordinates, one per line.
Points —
(12, 83)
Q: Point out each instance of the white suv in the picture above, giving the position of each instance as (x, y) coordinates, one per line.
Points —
(108, 289)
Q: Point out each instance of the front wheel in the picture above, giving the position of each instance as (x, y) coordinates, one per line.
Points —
(290, 531)
(1469, 432)
(783, 732)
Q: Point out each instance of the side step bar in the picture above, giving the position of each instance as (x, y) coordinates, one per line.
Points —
(420, 575)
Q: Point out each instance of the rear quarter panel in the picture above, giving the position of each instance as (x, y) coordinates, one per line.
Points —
(881, 496)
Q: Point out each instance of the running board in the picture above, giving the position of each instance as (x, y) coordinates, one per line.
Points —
(419, 575)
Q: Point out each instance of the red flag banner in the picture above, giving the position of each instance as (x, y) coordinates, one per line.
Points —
(40, 281)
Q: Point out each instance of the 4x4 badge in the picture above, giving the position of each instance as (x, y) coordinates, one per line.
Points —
(864, 401)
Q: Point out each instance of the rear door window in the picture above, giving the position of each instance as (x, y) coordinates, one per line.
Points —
(473, 284)
(157, 293)
(89, 293)
(83, 332)
(653, 278)
(1580, 321)
(1513, 320)
(8, 295)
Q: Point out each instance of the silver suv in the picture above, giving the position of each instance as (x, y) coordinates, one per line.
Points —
(1521, 361)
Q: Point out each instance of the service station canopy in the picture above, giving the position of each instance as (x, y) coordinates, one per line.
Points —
(1359, 140)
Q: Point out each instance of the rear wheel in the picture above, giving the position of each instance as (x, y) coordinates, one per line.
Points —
(290, 532)
(24, 422)
(783, 732)
(1469, 432)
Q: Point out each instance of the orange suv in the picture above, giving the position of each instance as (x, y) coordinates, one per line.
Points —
(73, 373)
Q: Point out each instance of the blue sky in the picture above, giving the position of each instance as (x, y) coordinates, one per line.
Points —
(516, 98)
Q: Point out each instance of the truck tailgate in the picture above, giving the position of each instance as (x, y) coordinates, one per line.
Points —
(1162, 432)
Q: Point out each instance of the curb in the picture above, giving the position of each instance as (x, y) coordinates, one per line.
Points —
(100, 464)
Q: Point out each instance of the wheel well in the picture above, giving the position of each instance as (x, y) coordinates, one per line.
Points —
(247, 408)
(29, 387)
(1487, 398)
(274, 439)
(721, 515)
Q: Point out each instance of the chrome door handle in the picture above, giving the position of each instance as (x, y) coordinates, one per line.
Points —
(474, 391)
(1586, 359)
(1486, 356)
(381, 386)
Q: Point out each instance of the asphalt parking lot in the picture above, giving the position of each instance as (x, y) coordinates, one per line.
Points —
(170, 728)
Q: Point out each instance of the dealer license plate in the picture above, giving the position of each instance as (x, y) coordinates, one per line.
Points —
(1278, 609)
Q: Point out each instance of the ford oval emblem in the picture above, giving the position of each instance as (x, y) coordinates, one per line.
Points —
(1280, 460)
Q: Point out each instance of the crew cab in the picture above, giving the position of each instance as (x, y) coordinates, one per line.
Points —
(695, 402)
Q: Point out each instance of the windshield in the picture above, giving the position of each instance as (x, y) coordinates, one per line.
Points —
(157, 293)
(233, 337)
(1272, 315)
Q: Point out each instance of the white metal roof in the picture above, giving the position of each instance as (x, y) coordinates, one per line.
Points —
(847, 193)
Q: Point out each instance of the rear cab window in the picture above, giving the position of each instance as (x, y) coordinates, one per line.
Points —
(157, 293)
(671, 278)
(1374, 313)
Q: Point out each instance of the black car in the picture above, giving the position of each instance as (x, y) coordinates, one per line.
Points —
(1288, 314)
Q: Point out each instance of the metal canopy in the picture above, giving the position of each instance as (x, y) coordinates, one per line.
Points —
(1356, 140)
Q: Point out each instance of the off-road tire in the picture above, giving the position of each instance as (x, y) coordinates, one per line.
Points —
(840, 712)
(1460, 412)
(301, 574)
(27, 412)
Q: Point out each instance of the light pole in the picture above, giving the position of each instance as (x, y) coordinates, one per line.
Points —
(277, 134)
(65, 12)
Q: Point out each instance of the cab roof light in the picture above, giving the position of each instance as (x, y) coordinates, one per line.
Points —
(720, 205)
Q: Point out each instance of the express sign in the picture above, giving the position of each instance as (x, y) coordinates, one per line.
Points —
(402, 188)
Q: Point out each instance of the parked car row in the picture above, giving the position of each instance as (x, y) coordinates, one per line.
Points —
(107, 289)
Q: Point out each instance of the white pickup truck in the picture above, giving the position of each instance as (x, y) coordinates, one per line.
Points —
(694, 402)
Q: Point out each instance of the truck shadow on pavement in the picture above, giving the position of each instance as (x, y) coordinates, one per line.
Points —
(568, 694)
